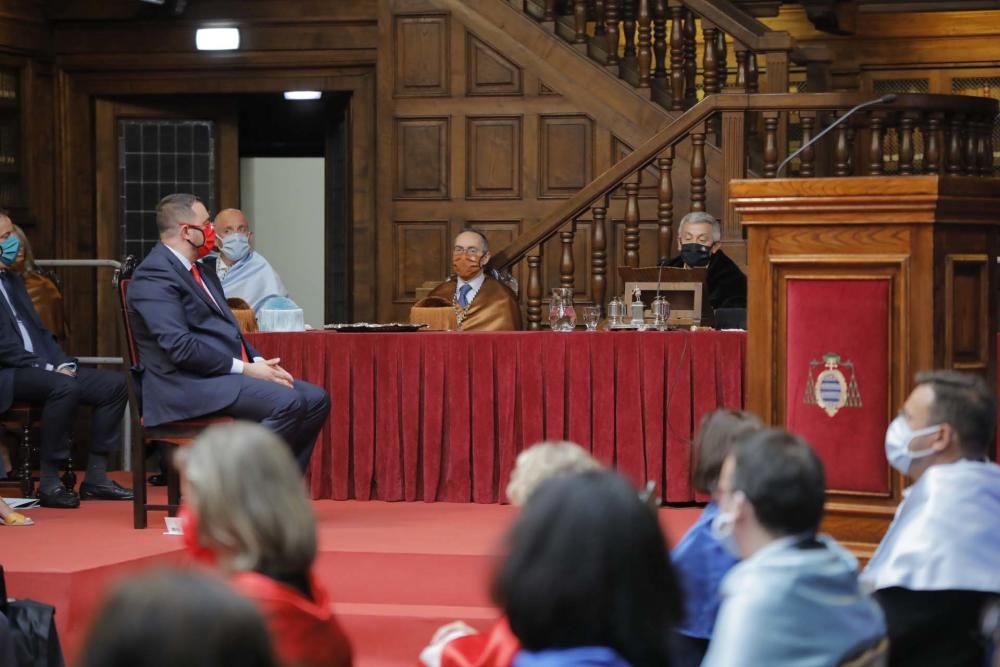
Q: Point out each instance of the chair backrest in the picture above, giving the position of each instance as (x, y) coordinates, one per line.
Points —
(873, 656)
(122, 276)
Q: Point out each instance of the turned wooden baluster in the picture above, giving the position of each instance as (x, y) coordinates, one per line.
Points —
(550, 10)
(644, 60)
(710, 64)
(906, 144)
(677, 76)
(535, 288)
(985, 147)
(628, 27)
(971, 147)
(876, 164)
(599, 253)
(580, 21)
(953, 162)
(841, 151)
(742, 77)
(753, 74)
(770, 143)
(599, 18)
(722, 56)
(690, 58)
(698, 167)
(567, 264)
(807, 158)
(660, 40)
(665, 200)
(632, 220)
(611, 32)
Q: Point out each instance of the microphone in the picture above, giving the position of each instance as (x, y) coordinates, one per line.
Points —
(885, 99)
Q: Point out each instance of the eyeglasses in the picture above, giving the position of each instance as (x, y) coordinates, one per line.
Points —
(471, 251)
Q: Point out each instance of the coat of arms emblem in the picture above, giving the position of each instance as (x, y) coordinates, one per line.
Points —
(830, 389)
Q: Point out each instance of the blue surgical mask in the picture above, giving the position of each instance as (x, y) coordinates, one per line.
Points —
(9, 248)
(236, 246)
(898, 437)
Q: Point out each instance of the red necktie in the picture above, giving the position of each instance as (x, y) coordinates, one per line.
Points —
(197, 276)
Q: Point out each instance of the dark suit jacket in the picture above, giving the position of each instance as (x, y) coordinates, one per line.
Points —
(12, 352)
(186, 344)
(726, 284)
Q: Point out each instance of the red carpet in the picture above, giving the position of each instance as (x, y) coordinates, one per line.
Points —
(396, 570)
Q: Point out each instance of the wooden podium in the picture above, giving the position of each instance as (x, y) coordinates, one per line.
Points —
(855, 284)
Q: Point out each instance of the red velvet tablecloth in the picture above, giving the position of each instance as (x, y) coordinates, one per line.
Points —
(442, 416)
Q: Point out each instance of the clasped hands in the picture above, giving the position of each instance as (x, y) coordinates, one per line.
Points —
(268, 369)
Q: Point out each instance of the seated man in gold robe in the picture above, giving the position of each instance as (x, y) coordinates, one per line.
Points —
(480, 302)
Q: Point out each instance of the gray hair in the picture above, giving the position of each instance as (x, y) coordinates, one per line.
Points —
(173, 210)
(248, 495)
(701, 218)
(480, 234)
(545, 461)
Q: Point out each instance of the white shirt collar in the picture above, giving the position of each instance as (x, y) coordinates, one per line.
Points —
(476, 283)
(183, 260)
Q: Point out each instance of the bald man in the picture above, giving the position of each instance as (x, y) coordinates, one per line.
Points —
(245, 274)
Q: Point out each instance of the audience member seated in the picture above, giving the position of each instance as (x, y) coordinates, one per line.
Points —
(44, 292)
(247, 512)
(698, 238)
(481, 302)
(8, 517)
(174, 618)
(458, 644)
(195, 361)
(795, 597)
(587, 578)
(244, 273)
(699, 559)
(34, 369)
(939, 563)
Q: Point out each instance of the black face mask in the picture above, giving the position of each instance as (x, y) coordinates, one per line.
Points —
(695, 254)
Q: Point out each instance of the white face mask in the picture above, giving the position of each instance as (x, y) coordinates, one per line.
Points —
(722, 528)
(236, 246)
(897, 444)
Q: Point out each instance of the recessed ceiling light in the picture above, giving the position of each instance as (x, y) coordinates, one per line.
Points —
(303, 94)
(217, 39)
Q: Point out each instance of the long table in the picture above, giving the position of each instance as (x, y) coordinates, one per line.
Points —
(442, 416)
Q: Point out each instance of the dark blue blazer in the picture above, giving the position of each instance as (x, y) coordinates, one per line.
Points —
(12, 352)
(186, 344)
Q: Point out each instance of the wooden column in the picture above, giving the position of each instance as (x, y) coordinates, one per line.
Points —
(721, 57)
(710, 63)
(906, 144)
(932, 145)
(550, 10)
(580, 21)
(876, 165)
(628, 27)
(611, 31)
(599, 253)
(534, 290)
(698, 167)
(841, 151)
(770, 143)
(660, 16)
(807, 157)
(690, 58)
(733, 167)
(567, 267)
(665, 203)
(631, 245)
(644, 59)
(677, 74)
(599, 18)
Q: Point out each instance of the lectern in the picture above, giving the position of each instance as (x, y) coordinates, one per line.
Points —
(855, 284)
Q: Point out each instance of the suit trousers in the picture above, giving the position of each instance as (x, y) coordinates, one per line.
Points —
(60, 395)
(297, 414)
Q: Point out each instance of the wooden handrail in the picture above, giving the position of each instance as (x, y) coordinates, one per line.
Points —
(741, 26)
(677, 129)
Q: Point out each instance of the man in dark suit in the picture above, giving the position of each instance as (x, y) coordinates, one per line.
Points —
(194, 361)
(34, 369)
(698, 244)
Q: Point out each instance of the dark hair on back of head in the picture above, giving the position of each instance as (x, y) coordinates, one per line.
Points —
(4, 213)
(173, 210)
(718, 431)
(783, 479)
(177, 617)
(588, 566)
(964, 402)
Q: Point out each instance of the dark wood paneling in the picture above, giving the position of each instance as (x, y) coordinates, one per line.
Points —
(421, 254)
(422, 158)
(421, 45)
(966, 312)
(489, 73)
(493, 162)
(566, 154)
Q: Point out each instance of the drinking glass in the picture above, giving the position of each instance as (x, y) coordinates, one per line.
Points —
(616, 311)
(591, 317)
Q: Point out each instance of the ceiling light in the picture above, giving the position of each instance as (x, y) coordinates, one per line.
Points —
(303, 94)
(217, 39)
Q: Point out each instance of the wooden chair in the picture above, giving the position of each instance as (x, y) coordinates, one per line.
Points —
(873, 656)
(174, 434)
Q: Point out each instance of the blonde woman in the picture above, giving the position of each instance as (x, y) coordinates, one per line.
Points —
(246, 510)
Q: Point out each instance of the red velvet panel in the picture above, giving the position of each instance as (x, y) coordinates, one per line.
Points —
(442, 416)
(851, 319)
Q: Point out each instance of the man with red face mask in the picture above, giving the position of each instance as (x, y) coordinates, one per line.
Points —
(481, 302)
(194, 360)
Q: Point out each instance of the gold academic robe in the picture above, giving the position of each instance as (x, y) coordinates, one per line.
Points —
(495, 307)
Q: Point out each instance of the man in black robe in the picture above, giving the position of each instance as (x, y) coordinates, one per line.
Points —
(698, 242)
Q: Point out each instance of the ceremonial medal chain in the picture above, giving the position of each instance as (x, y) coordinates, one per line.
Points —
(460, 312)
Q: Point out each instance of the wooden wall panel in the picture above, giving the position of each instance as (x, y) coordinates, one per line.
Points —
(422, 158)
(566, 154)
(966, 311)
(489, 73)
(421, 46)
(493, 163)
(422, 252)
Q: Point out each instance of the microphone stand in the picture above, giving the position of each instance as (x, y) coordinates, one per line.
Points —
(885, 99)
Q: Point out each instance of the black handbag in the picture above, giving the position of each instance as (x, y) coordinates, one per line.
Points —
(31, 629)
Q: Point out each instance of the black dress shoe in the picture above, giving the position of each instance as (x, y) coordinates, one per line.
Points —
(61, 498)
(110, 491)
(157, 480)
